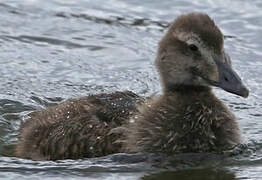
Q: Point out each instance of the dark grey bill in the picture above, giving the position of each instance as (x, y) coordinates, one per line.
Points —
(229, 80)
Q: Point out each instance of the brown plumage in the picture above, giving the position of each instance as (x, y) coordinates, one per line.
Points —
(187, 117)
(77, 128)
(178, 122)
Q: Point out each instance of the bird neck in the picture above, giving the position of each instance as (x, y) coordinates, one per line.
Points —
(187, 89)
(189, 92)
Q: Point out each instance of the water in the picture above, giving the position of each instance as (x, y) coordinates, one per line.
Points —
(53, 50)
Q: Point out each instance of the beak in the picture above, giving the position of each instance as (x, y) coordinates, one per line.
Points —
(228, 78)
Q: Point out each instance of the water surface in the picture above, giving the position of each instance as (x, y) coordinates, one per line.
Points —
(54, 50)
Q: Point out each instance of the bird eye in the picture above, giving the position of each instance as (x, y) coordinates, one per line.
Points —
(193, 47)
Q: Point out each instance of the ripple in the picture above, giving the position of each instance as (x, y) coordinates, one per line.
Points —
(198, 174)
(117, 20)
(51, 41)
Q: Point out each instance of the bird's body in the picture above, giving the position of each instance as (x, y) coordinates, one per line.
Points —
(187, 117)
(77, 128)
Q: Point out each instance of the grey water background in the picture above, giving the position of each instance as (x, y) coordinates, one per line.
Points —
(54, 50)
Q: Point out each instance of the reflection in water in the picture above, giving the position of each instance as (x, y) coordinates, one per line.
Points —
(193, 174)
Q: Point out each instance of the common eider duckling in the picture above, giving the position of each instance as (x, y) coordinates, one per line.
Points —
(187, 117)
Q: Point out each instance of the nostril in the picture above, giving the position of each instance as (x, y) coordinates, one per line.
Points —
(226, 79)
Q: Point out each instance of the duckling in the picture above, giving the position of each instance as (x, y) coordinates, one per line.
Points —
(187, 117)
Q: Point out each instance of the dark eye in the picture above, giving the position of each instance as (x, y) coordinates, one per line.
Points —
(193, 47)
